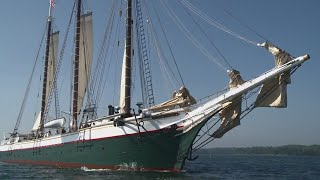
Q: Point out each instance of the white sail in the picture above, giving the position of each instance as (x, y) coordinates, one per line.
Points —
(230, 114)
(85, 59)
(52, 59)
(36, 123)
(274, 92)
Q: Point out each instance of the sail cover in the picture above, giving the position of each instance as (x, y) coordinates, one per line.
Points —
(230, 114)
(85, 59)
(52, 59)
(56, 123)
(274, 92)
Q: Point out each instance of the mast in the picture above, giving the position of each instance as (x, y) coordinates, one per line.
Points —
(126, 70)
(45, 72)
(76, 70)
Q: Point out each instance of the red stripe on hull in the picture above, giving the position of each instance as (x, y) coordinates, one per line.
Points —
(90, 166)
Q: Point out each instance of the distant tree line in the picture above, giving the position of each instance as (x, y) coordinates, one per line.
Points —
(313, 150)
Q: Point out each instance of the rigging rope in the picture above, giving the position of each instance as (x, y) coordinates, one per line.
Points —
(189, 35)
(156, 42)
(203, 32)
(215, 23)
(98, 76)
(174, 59)
(25, 97)
(164, 64)
(246, 25)
(103, 78)
(108, 70)
(118, 50)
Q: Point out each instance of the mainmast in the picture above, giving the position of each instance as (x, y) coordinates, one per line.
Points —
(76, 70)
(45, 72)
(125, 97)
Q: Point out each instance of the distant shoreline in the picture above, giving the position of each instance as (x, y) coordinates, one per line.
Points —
(312, 150)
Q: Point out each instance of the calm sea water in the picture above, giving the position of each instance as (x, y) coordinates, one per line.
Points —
(205, 167)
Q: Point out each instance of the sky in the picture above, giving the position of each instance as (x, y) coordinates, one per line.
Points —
(292, 25)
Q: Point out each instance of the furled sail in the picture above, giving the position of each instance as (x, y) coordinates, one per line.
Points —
(122, 102)
(230, 114)
(235, 79)
(274, 92)
(123, 85)
(181, 98)
(85, 59)
(52, 59)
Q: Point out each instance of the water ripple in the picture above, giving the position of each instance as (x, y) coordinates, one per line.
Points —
(206, 167)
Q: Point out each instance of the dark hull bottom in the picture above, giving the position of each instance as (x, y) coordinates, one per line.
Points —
(163, 150)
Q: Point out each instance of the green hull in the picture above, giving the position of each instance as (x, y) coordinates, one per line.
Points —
(150, 151)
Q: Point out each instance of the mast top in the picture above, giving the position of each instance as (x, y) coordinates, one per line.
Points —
(51, 7)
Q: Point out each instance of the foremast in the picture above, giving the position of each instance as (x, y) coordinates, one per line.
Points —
(125, 89)
(45, 71)
(74, 126)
